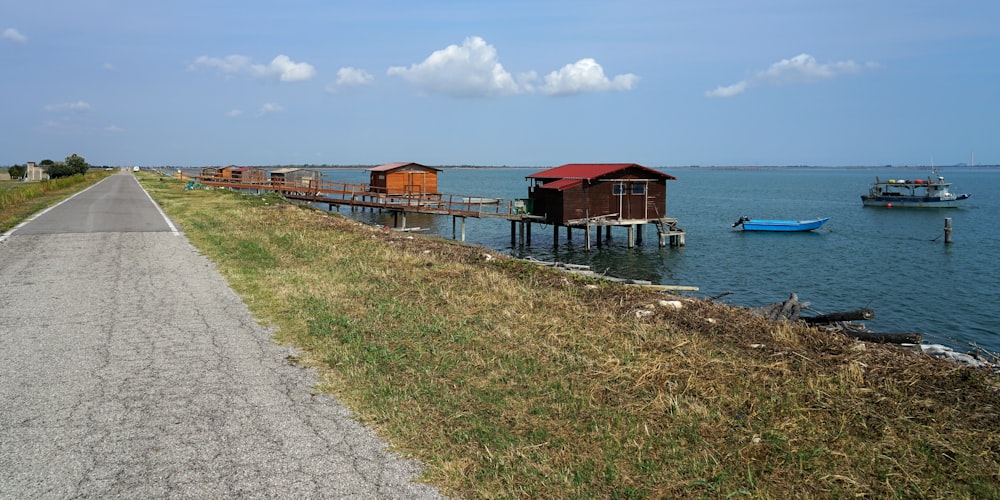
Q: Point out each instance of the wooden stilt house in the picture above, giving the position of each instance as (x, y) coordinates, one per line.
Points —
(245, 175)
(574, 193)
(295, 177)
(404, 179)
(211, 173)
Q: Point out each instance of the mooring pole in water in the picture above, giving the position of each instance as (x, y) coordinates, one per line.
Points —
(947, 230)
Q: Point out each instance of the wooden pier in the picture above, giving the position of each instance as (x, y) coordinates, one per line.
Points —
(359, 195)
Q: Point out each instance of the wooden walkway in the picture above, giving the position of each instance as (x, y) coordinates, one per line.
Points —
(336, 194)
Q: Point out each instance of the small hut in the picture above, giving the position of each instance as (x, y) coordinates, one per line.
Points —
(245, 175)
(626, 192)
(210, 173)
(404, 179)
(295, 177)
(34, 172)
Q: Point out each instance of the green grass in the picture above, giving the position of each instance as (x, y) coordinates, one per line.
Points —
(508, 380)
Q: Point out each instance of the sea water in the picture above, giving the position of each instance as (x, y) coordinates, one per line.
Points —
(892, 260)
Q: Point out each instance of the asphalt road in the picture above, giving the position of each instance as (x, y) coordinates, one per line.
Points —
(130, 369)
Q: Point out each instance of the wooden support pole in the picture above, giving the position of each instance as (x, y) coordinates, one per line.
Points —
(631, 235)
(599, 240)
(640, 228)
(463, 229)
(586, 234)
(528, 224)
(569, 233)
(522, 231)
(555, 235)
(607, 233)
(947, 230)
(513, 232)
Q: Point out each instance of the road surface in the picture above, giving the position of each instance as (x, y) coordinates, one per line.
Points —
(129, 368)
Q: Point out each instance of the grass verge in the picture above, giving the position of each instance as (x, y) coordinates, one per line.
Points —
(509, 380)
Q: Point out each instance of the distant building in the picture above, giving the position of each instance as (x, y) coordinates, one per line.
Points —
(404, 179)
(295, 177)
(35, 173)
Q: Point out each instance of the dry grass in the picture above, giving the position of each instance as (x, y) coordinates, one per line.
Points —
(510, 380)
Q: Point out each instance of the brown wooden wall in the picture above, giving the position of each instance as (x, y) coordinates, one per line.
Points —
(405, 182)
(596, 199)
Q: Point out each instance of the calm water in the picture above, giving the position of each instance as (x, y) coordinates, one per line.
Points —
(892, 260)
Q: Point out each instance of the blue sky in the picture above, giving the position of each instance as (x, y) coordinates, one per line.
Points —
(532, 83)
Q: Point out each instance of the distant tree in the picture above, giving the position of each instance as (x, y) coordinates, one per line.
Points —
(57, 170)
(46, 163)
(17, 171)
(77, 164)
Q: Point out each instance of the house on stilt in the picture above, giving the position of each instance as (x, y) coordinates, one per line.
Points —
(604, 195)
(404, 179)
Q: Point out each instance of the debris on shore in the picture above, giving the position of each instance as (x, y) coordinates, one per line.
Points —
(844, 323)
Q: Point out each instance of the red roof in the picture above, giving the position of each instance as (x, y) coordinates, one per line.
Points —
(587, 172)
(561, 184)
(394, 166)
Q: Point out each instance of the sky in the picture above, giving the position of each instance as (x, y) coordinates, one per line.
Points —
(518, 83)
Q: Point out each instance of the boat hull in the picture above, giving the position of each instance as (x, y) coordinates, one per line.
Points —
(781, 225)
(911, 201)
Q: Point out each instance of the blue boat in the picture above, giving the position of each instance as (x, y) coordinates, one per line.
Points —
(779, 224)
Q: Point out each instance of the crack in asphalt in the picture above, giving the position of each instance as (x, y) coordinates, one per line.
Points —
(129, 368)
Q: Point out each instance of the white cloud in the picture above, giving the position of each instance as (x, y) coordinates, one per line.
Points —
(71, 106)
(585, 76)
(469, 70)
(270, 107)
(113, 128)
(728, 91)
(353, 76)
(281, 67)
(234, 113)
(802, 68)
(474, 70)
(14, 35)
(109, 67)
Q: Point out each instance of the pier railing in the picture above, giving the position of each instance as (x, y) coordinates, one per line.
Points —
(360, 194)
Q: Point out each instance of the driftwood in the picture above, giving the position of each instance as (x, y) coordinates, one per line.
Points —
(791, 310)
(787, 310)
(861, 333)
(825, 319)
(585, 271)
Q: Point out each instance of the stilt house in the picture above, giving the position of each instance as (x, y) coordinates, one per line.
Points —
(571, 194)
(404, 179)
(295, 177)
(244, 175)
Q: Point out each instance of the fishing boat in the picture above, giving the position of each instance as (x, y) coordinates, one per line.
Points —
(931, 192)
(779, 224)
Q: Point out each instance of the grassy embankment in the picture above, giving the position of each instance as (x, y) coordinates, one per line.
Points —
(19, 200)
(508, 380)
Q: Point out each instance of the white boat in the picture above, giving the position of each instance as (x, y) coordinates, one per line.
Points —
(931, 192)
